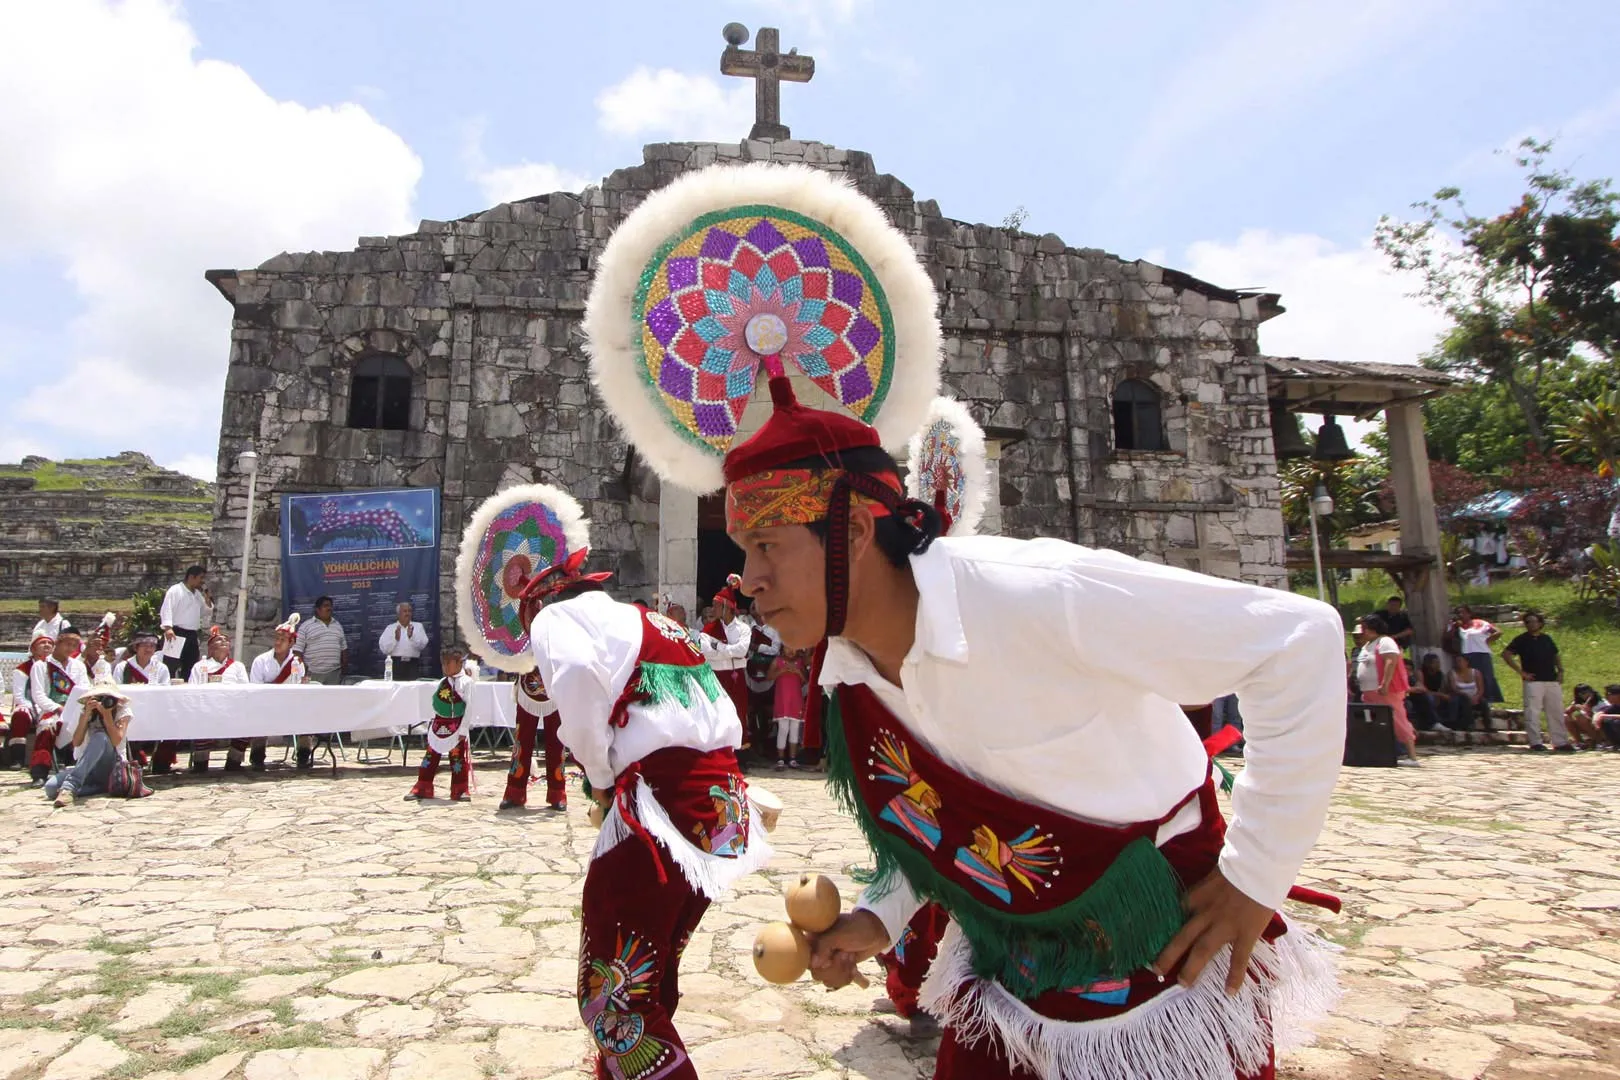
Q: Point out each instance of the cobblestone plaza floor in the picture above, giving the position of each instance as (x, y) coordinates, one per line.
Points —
(287, 925)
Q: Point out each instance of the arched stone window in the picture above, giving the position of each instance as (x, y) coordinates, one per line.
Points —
(380, 393)
(1138, 420)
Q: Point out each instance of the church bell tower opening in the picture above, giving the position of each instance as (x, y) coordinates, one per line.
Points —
(717, 555)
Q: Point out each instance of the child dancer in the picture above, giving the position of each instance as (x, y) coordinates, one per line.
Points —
(447, 730)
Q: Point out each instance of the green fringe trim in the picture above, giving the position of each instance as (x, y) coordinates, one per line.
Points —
(671, 682)
(1117, 926)
(1227, 779)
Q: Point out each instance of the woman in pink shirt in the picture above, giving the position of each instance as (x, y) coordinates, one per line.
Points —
(1382, 666)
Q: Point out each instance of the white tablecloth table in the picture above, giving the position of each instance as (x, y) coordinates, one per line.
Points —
(237, 711)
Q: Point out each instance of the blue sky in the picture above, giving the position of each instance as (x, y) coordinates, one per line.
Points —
(1254, 144)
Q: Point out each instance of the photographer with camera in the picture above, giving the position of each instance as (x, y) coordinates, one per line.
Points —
(98, 743)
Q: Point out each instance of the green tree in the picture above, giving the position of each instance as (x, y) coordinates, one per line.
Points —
(144, 616)
(1483, 430)
(1523, 289)
(1594, 433)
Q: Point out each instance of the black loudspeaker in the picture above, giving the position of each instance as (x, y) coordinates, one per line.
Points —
(1369, 736)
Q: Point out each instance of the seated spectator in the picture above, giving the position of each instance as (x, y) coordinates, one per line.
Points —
(1607, 715)
(1579, 720)
(98, 743)
(1427, 702)
(1467, 689)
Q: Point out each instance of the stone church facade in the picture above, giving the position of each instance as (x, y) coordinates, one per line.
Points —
(1125, 403)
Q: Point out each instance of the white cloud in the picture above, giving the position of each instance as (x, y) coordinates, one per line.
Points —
(202, 466)
(1343, 302)
(508, 183)
(673, 104)
(134, 167)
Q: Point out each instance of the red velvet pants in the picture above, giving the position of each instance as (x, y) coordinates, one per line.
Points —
(459, 766)
(517, 777)
(906, 965)
(735, 684)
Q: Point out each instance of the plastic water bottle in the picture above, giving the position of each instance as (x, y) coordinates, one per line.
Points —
(388, 670)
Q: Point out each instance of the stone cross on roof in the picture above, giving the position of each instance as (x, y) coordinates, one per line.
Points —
(767, 65)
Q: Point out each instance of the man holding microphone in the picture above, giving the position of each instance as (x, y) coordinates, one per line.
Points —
(405, 641)
(187, 607)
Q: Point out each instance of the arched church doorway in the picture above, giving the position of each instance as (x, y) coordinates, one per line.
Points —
(717, 555)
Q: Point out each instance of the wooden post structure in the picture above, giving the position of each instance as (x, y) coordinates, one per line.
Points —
(1426, 599)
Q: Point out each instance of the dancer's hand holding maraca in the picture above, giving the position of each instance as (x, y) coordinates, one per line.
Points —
(835, 952)
(783, 951)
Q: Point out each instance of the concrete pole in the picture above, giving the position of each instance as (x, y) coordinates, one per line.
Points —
(1426, 599)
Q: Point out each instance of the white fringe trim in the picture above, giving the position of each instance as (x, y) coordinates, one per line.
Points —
(576, 532)
(711, 875)
(1183, 1034)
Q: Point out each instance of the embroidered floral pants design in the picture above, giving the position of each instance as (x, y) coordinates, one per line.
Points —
(633, 933)
(517, 777)
(430, 769)
(906, 965)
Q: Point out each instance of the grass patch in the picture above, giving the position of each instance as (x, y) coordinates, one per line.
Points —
(137, 1065)
(1346, 937)
(162, 497)
(118, 947)
(306, 1035)
(12, 1022)
(282, 1010)
(577, 911)
(31, 607)
(117, 980)
(205, 1053)
(48, 477)
(210, 985)
(178, 517)
(823, 1060)
(345, 958)
(177, 1025)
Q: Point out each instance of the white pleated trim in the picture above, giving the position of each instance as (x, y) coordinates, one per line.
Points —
(1183, 1034)
(711, 875)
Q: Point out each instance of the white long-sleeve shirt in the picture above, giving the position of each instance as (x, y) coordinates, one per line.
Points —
(732, 653)
(208, 670)
(407, 644)
(1040, 668)
(157, 674)
(39, 683)
(266, 668)
(19, 689)
(51, 628)
(185, 609)
(586, 649)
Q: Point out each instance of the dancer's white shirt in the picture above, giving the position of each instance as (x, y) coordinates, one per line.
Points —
(267, 669)
(228, 671)
(1044, 669)
(586, 649)
(156, 673)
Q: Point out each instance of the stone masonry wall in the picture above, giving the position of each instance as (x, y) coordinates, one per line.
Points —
(485, 310)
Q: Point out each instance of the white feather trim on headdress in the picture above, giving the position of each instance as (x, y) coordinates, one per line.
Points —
(291, 625)
(576, 533)
(950, 419)
(614, 334)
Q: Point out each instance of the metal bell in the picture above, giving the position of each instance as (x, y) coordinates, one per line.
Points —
(1331, 445)
(1286, 437)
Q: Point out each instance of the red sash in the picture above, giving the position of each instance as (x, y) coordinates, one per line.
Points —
(1046, 900)
(286, 670)
(133, 675)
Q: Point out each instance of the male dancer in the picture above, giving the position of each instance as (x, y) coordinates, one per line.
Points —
(280, 666)
(725, 640)
(536, 715)
(49, 684)
(23, 715)
(1007, 743)
(143, 666)
(447, 730)
(217, 668)
(656, 736)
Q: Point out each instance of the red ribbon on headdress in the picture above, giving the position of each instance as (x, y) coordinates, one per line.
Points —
(552, 580)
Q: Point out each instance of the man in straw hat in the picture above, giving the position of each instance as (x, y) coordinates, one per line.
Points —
(99, 740)
(1009, 744)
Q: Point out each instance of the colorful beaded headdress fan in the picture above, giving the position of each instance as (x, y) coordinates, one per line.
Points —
(946, 466)
(512, 538)
(737, 268)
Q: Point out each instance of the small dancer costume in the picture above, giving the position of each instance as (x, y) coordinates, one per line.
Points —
(513, 536)
(1058, 841)
(447, 736)
(213, 672)
(645, 719)
(23, 713)
(50, 681)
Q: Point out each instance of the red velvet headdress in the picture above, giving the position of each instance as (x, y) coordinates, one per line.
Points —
(553, 580)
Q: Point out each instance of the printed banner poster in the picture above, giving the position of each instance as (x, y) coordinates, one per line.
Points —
(369, 551)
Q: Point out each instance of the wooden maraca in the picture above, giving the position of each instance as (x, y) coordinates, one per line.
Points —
(782, 949)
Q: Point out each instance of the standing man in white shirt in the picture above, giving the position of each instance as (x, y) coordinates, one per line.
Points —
(405, 641)
(725, 641)
(51, 620)
(188, 606)
(323, 645)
